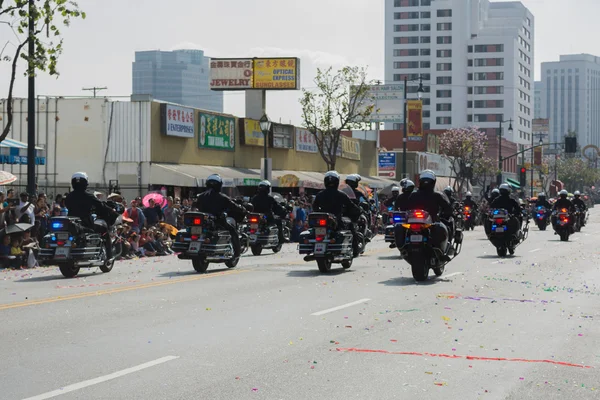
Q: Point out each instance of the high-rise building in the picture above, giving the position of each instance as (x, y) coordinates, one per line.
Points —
(571, 97)
(180, 76)
(537, 100)
(476, 57)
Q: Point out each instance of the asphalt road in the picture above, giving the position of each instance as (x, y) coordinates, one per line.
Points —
(526, 327)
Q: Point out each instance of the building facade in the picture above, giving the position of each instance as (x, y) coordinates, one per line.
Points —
(570, 97)
(180, 76)
(476, 59)
(537, 102)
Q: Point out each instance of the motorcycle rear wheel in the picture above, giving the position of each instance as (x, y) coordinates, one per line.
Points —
(69, 270)
(256, 249)
(501, 251)
(200, 264)
(564, 236)
(324, 265)
(420, 271)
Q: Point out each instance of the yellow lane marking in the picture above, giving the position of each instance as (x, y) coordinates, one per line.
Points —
(116, 290)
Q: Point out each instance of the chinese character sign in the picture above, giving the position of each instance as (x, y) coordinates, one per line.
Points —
(415, 120)
(253, 135)
(231, 74)
(177, 121)
(276, 73)
(305, 141)
(216, 132)
(350, 148)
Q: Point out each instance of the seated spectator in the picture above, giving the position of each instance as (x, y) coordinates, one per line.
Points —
(145, 243)
(17, 251)
(5, 246)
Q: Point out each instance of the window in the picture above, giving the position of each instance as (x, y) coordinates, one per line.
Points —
(444, 13)
(425, 2)
(444, 66)
(406, 28)
(489, 48)
(444, 26)
(486, 90)
(444, 53)
(444, 39)
(426, 101)
(443, 107)
(485, 104)
(425, 52)
(406, 52)
(444, 80)
(426, 113)
(486, 76)
(406, 3)
(425, 27)
(488, 117)
(406, 15)
(425, 14)
(425, 39)
(470, 49)
(406, 40)
(401, 77)
(443, 120)
(488, 62)
(426, 126)
(425, 64)
(406, 64)
(441, 94)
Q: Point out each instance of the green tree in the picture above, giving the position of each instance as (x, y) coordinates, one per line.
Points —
(49, 16)
(576, 173)
(340, 102)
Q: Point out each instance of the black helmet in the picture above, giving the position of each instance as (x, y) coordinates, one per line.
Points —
(332, 179)
(264, 186)
(504, 189)
(214, 182)
(352, 180)
(79, 181)
(427, 180)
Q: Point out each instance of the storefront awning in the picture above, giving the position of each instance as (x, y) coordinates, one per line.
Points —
(187, 175)
(377, 183)
(15, 152)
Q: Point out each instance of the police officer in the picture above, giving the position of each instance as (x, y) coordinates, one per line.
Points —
(542, 201)
(212, 201)
(352, 181)
(450, 194)
(579, 203)
(264, 203)
(564, 202)
(438, 207)
(82, 204)
(402, 200)
(492, 196)
(469, 202)
(511, 205)
(395, 193)
(333, 201)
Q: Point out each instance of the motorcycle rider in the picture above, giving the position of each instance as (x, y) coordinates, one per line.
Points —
(449, 192)
(579, 203)
(438, 207)
(333, 201)
(469, 202)
(212, 201)
(266, 204)
(564, 202)
(492, 196)
(82, 203)
(542, 201)
(402, 200)
(512, 206)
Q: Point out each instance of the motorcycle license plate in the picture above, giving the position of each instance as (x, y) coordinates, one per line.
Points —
(416, 238)
(62, 236)
(253, 226)
(194, 247)
(196, 230)
(320, 248)
(252, 237)
(499, 229)
(320, 231)
(62, 252)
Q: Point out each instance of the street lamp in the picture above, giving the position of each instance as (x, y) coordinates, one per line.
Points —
(420, 92)
(265, 127)
(510, 131)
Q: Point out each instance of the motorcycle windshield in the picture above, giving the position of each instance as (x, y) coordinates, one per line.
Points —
(347, 190)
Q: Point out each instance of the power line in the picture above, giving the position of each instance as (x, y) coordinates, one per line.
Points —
(95, 89)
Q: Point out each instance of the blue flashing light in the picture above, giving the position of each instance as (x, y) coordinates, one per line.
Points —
(57, 225)
(53, 238)
(71, 238)
(493, 226)
(397, 219)
(496, 212)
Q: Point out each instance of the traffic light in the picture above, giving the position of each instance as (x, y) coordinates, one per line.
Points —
(523, 176)
(570, 145)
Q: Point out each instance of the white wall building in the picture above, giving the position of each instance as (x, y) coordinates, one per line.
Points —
(571, 97)
(537, 101)
(476, 57)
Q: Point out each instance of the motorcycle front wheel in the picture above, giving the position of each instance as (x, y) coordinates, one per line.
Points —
(324, 265)
(420, 271)
(69, 270)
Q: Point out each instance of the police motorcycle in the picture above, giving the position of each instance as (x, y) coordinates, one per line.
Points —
(498, 221)
(561, 222)
(71, 246)
(329, 241)
(541, 217)
(468, 218)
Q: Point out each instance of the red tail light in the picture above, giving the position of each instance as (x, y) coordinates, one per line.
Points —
(195, 237)
(61, 242)
(197, 221)
(499, 221)
(467, 208)
(415, 227)
(252, 230)
(322, 222)
(563, 210)
(320, 238)
(419, 214)
(254, 220)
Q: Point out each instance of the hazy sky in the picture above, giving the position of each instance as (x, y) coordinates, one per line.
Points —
(99, 50)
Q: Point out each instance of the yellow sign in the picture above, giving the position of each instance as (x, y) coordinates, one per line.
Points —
(253, 135)
(275, 73)
(289, 181)
(350, 148)
(415, 119)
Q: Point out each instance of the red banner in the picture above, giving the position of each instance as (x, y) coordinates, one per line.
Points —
(415, 120)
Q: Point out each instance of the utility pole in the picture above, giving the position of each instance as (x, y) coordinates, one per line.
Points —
(31, 103)
(95, 89)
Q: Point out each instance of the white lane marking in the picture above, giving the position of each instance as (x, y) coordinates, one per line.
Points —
(95, 381)
(340, 307)
(534, 250)
(452, 274)
(495, 262)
